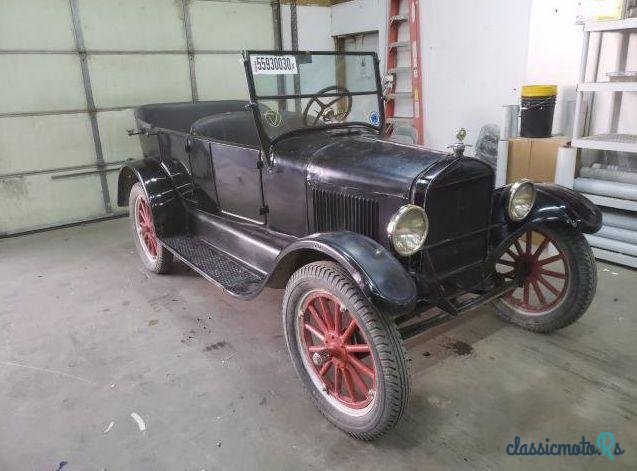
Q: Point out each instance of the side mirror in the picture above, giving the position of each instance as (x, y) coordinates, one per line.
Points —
(388, 84)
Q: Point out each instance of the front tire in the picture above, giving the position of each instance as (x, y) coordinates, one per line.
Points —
(559, 274)
(154, 256)
(350, 358)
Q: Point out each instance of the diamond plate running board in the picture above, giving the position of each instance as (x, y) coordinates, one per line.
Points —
(216, 266)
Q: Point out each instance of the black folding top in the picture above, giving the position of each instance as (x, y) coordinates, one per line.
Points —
(181, 116)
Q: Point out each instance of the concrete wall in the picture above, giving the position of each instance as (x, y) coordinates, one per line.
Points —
(555, 43)
(474, 60)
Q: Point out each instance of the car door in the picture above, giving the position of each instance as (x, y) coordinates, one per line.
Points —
(237, 172)
(203, 176)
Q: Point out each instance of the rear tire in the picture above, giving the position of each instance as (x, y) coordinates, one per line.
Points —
(563, 272)
(357, 374)
(154, 256)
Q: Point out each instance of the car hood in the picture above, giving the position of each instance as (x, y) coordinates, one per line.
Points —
(369, 164)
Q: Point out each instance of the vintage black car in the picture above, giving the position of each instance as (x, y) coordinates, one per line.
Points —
(373, 241)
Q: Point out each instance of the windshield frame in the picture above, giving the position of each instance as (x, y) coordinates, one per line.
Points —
(266, 141)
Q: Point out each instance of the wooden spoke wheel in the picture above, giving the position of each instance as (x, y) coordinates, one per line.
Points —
(152, 253)
(145, 227)
(349, 356)
(336, 351)
(558, 278)
(544, 269)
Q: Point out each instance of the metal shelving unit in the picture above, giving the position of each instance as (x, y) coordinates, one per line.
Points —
(610, 141)
(607, 87)
(603, 248)
(610, 202)
(626, 24)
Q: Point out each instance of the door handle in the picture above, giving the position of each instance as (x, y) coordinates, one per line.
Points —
(188, 146)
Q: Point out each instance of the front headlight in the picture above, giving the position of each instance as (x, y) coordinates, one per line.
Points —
(521, 199)
(407, 229)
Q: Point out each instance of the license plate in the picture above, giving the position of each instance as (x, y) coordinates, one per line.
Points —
(273, 65)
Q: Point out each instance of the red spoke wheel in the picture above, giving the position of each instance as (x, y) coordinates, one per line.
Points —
(349, 356)
(336, 350)
(544, 270)
(152, 253)
(145, 226)
(558, 278)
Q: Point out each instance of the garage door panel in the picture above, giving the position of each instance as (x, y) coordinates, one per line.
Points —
(111, 179)
(220, 77)
(29, 143)
(236, 25)
(116, 143)
(45, 93)
(120, 80)
(132, 25)
(36, 24)
(34, 201)
(39, 82)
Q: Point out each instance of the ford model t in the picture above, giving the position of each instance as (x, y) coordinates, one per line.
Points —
(373, 241)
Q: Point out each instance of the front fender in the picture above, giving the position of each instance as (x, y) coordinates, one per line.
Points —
(169, 214)
(381, 278)
(553, 204)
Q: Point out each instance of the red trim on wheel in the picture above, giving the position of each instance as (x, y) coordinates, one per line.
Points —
(146, 226)
(544, 270)
(338, 351)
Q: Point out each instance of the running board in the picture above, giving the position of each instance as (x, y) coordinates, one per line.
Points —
(228, 273)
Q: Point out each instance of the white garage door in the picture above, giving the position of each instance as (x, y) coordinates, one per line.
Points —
(72, 70)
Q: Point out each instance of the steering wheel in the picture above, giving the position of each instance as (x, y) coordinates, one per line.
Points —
(327, 113)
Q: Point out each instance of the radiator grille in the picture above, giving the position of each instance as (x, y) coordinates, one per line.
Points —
(458, 213)
(458, 209)
(339, 211)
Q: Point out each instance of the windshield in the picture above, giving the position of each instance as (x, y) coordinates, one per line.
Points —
(298, 90)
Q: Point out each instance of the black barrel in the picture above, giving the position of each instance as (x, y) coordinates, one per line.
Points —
(536, 112)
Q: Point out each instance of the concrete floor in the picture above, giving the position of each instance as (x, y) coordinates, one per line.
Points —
(87, 337)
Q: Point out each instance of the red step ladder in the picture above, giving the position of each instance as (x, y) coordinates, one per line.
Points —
(407, 83)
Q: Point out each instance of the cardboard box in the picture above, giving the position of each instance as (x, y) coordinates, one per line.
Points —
(533, 158)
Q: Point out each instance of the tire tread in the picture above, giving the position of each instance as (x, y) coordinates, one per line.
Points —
(384, 335)
(164, 261)
(586, 277)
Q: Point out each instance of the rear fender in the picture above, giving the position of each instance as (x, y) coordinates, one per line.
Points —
(553, 204)
(169, 213)
(381, 278)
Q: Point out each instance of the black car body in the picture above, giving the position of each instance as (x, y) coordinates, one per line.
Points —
(247, 208)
